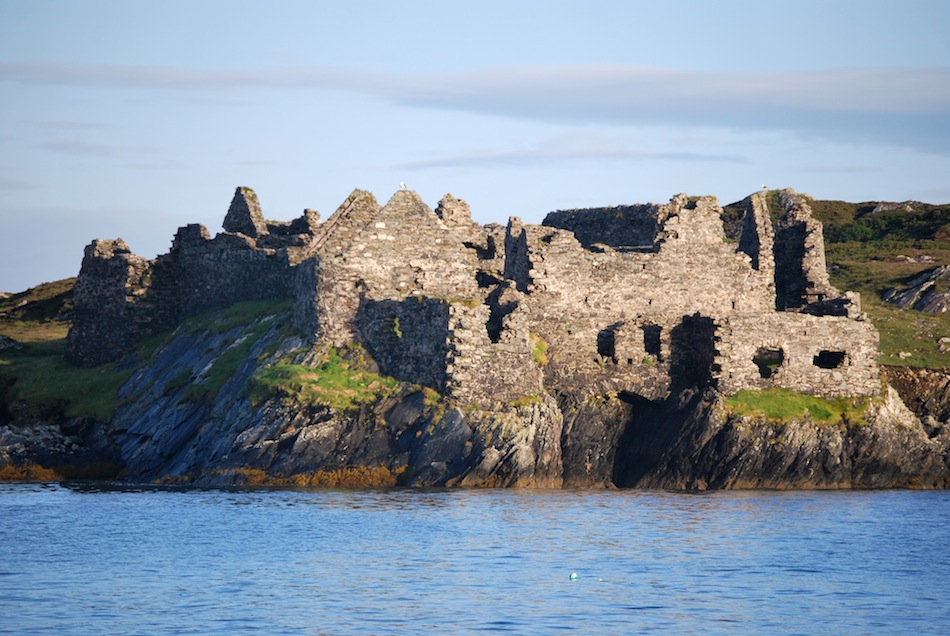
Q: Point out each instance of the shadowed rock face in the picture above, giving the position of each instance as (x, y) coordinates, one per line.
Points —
(929, 292)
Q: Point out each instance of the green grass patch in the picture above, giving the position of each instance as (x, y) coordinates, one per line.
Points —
(226, 364)
(40, 376)
(539, 350)
(779, 405)
(237, 315)
(41, 303)
(343, 383)
(871, 269)
(526, 400)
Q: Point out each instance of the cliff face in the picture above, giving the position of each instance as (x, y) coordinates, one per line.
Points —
(193, 413)
(167, 430)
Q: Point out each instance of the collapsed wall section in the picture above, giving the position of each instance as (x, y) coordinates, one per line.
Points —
(801, 275)
(108, 282)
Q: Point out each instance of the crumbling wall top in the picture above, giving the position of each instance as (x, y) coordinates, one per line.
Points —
(244, 214)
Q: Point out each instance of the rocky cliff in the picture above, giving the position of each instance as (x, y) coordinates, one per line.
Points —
(203, 409)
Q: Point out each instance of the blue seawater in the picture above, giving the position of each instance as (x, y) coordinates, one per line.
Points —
(95, 559)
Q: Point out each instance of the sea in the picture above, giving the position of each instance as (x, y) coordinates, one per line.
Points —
(93, 558)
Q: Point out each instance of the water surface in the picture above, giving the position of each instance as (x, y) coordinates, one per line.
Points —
(92, 559)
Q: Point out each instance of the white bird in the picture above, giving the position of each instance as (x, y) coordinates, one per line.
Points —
(402, 185)
(765, 187)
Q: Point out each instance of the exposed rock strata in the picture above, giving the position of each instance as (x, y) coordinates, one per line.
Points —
(929, 292)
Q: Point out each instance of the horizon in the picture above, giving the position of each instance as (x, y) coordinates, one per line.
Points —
(123, 120)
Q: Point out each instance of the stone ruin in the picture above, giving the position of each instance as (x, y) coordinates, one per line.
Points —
(645, 300)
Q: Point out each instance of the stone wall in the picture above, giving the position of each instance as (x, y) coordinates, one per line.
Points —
(801, 276)
(830, 355)
(486, 370)
(230, 268)
(623, 226)
(408, 338)
(609, 315)
(121, 298)
(108, 281)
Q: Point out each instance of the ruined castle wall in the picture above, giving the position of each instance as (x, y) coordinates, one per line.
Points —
(406, 249)
(244, 214)
(801, 275)
(227, 269)
(408, 338)
(106, 286)
(618, 227)
(829, 356)
(483, 371)
(756, 238)
(578, 296)
(327, 298)
(334, 237)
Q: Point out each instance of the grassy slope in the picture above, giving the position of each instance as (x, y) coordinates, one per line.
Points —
(37, 374)
(861, 251)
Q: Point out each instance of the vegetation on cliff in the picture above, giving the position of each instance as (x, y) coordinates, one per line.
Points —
(340, 380)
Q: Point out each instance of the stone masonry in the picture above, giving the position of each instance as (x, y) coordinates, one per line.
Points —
(645, 299)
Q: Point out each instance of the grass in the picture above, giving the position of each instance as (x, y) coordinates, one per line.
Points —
(780, 405)
(259, 316)
(526, 400)
(38, 375)
(237, 315)
(342, 382)
(37, 315)
(871, 269)
(539, 350)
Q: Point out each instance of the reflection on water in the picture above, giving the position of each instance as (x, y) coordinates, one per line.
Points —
(88, 558)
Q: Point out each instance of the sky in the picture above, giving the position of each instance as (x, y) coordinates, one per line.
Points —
(132, 118)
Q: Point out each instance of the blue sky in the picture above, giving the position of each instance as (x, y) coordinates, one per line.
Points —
(130, 119)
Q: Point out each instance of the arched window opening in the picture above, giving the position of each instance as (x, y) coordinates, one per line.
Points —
(768, 360)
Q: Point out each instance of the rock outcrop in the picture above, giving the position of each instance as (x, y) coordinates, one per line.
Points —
(929, 292)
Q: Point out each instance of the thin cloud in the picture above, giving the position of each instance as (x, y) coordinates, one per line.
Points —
(489, 159)
(79, 148)
(67, 125)
(903, 107)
